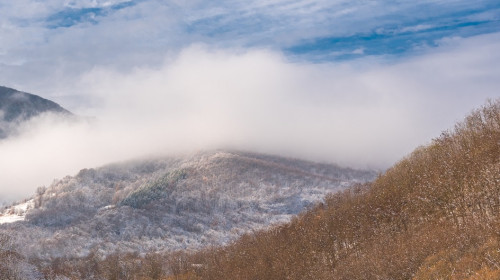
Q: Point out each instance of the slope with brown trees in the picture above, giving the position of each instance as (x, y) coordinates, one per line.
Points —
(434, 215)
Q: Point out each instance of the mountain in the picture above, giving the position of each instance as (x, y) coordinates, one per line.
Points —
(433, 215)
(239, 215)
(17, 106)
(160, 205)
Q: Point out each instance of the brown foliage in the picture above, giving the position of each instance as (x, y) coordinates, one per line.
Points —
(434, 215)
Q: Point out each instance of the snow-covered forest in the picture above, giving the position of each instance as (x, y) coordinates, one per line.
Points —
(161, 205)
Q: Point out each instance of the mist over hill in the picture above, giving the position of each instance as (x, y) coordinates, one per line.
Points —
(17, 107)
(200, 140)
(238, 215)
(433, 215)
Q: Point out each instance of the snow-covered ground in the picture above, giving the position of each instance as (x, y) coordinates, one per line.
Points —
(16, 212)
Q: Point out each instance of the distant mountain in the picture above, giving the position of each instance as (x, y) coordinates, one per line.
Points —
(185, 202)
(17, 106)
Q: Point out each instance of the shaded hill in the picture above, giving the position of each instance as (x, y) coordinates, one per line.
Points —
(185, 202)
(17, 106)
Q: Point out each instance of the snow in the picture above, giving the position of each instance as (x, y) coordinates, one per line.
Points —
(108, 207)
(16, 212)
(6, 219)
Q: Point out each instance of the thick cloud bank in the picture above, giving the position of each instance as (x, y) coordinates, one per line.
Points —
(368, 113)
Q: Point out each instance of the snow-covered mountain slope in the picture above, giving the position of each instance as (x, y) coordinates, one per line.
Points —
(184, 202)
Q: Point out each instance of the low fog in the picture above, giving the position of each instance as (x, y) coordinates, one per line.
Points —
(367, 113)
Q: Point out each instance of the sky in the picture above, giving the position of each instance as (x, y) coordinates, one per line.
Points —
(358, 83)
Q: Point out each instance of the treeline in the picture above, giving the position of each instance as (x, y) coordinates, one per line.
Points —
(434, 215)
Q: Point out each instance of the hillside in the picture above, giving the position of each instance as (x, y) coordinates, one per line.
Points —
(160, 205)
(17, 106)
(433, 215)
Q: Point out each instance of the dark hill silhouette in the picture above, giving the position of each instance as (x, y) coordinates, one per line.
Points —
(17, 106)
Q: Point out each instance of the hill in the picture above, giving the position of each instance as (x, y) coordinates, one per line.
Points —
(160, 205)
(17, 106)
(433, 215)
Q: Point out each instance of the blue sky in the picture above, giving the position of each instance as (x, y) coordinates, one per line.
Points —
(360, 83)
(310, 30)
(324, 30)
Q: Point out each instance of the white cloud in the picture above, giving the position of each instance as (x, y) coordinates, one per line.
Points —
(367, 113)
(137, 70)
(40, 59)
(415, 28)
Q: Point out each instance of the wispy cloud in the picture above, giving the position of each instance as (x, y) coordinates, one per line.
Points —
(72, 15)
(48, 43)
